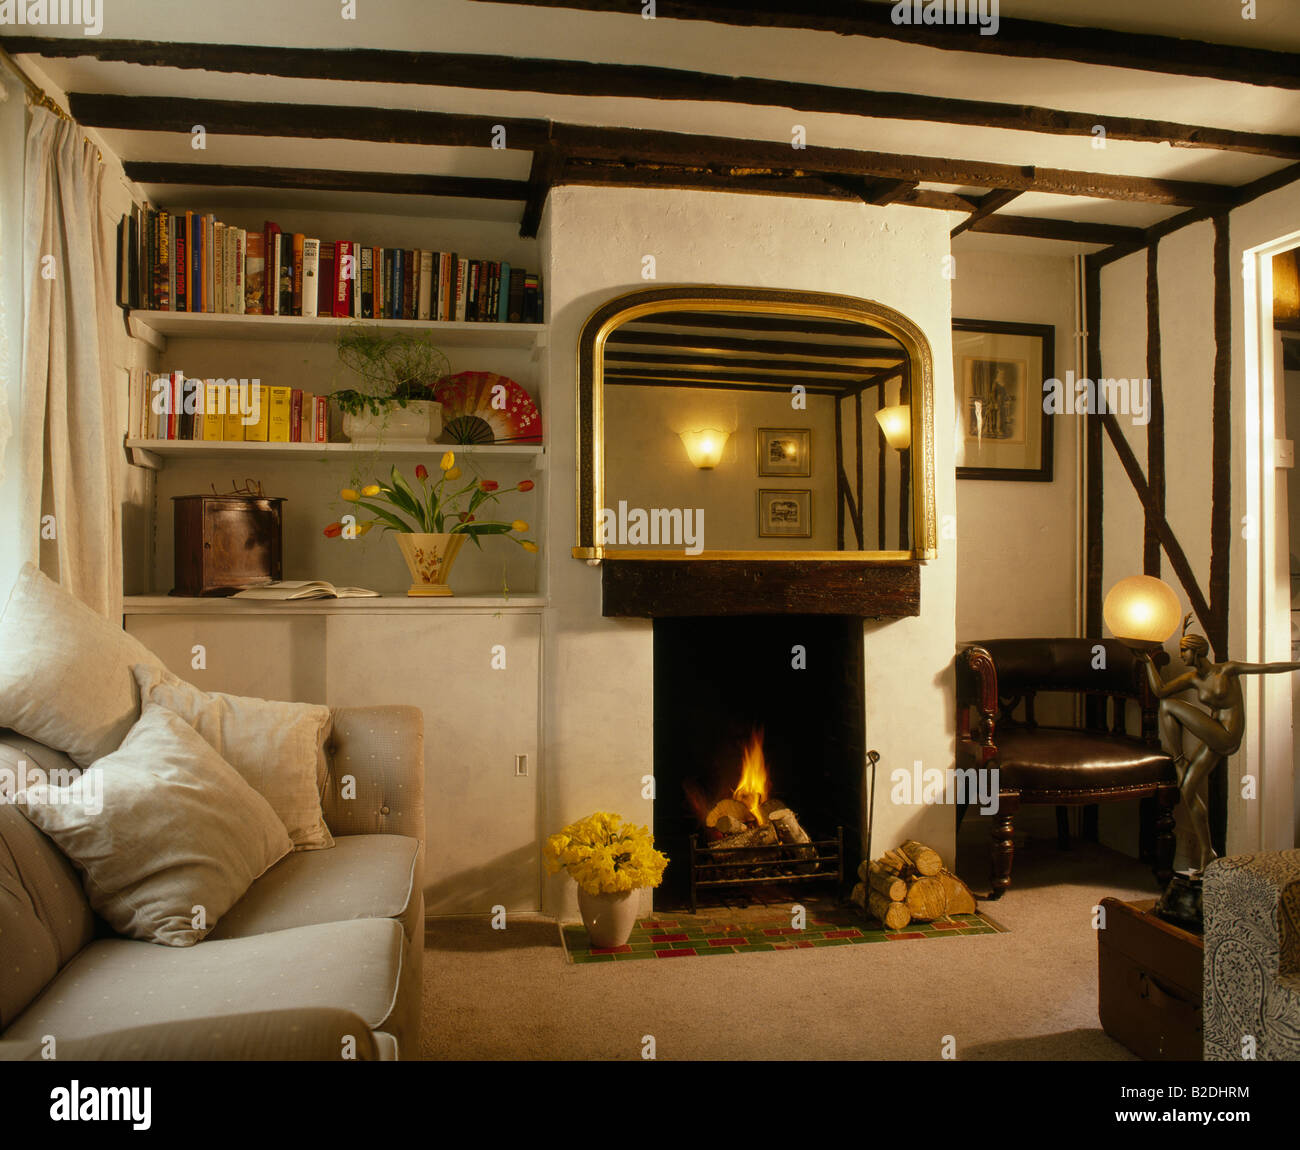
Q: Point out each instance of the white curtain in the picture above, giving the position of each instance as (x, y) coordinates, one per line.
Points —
(67, 419)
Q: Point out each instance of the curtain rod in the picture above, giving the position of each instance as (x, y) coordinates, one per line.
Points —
(39, 97)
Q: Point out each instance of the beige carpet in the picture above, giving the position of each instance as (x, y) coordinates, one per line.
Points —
(1027, 994)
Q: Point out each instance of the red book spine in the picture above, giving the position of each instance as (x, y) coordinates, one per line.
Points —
(173, 402)
(180, 248)
(343, 273)
(295, 416)
(322, 419)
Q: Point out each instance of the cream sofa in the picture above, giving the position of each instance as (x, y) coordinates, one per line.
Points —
(320, 959)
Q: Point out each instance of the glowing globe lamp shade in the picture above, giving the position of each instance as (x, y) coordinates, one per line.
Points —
(704, 448)
(896, 423)
(1142, 611)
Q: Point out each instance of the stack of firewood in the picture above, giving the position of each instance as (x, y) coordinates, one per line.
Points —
(911, 883)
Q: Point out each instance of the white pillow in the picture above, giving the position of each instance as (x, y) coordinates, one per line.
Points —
(166, 834)
(279, 748)
(65, 671)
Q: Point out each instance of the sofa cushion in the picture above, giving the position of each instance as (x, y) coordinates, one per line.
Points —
(364, 876)
(279, 748)
(116, 983)
(159, 828)
(65, 671)
(45, 918)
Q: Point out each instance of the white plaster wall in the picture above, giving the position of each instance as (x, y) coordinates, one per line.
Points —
(1019, 557)
(1186, 308)
(597, 672)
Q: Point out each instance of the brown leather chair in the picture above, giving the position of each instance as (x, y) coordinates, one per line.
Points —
(1063, 766)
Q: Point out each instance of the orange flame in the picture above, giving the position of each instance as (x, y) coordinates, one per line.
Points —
(752, 790)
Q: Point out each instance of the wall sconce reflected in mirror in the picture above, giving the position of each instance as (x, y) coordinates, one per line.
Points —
(704, 447)
(896, 423)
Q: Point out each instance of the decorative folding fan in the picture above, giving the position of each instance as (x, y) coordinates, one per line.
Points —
(482, 407)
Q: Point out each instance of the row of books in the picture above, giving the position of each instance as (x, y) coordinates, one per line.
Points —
(170, 406)
(190, 261)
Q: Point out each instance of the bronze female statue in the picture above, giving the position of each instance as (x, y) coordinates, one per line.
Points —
(1216, 732)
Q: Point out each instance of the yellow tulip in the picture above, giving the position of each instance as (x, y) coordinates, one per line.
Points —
(362, 528)
(448, 461)
(528, 545)
(454, 473)
(350, 495)
(371, 489)
(519, 525)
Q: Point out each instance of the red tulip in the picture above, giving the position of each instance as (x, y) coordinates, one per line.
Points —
(334, 530)
(421, 472)
(526, 485)
(465, 517)
(488, 485)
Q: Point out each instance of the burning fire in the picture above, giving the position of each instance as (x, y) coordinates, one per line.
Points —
(752, 790)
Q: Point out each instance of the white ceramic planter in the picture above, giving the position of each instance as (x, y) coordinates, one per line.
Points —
(420, 421)
(609, 918)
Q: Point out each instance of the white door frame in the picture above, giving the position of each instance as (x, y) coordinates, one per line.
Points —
(1269, 822)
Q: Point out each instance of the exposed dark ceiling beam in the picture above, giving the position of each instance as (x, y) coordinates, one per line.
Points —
(627, 145)
(321, 179)
(998, 198)
(1067, 231)
(1022, 38)
(712, 383)
(741, 368)
(704, 343)
(767, 323)
(1150, 235)
(605, 80)
(546, 167)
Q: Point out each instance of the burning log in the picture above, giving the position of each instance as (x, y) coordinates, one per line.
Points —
(728, 825)
(728, 808)
(794, 836)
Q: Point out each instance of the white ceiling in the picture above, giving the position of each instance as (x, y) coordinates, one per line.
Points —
(807, 56)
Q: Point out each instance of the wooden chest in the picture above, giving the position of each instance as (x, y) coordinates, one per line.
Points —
(225, 543)
(1149, 976)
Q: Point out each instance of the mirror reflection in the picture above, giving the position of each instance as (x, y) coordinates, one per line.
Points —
(743, 430)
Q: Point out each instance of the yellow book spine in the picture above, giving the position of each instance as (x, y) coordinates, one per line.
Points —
(259, 431)
(213, 420)
(281, 400)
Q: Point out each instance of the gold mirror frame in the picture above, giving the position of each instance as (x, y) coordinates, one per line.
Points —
(815, 305)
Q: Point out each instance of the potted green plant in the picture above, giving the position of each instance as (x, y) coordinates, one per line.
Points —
(433, 522)
(610, 861)
(397, 373)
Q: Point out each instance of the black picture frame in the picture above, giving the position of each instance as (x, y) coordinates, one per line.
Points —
(998, 384)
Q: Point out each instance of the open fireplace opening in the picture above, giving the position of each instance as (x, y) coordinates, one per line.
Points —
(759, 756)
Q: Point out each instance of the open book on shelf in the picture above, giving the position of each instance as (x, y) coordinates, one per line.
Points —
(304, 589)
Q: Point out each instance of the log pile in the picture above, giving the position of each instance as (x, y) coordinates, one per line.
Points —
(733, 825)
(910, 884)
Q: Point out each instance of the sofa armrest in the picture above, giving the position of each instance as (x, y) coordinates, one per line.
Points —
(375, 783)
(313, 1035)
(1252, 955)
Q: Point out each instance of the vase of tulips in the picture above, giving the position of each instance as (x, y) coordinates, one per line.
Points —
(610, 861)
(432, 519)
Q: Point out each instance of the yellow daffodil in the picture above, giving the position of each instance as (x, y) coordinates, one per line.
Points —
(519, 525)
(448, 461)
(350, 495)
(370, 489)
(604, 856)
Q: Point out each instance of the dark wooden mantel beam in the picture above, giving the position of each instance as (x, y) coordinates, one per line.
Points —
(1034, 39)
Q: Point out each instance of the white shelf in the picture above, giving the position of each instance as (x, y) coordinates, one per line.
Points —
(385, 604)
(153, 453)
(158, 326)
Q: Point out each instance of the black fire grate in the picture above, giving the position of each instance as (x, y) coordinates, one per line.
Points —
(733, 868)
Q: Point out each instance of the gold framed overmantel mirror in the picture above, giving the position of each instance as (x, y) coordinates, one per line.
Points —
(726, 424)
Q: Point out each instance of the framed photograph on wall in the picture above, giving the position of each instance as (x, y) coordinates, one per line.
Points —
(785, 451)
(999, 370)
(784, 513)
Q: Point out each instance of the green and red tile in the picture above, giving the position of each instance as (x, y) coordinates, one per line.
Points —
(750, 931)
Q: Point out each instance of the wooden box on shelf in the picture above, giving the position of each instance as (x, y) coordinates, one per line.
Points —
(225, 543)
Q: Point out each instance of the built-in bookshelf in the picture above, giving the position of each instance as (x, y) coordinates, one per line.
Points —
(154, 453)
